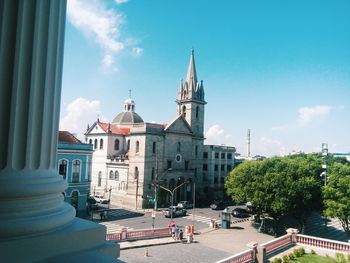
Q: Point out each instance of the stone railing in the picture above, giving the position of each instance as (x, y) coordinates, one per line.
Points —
(246, 256)
(277, 243)
(323, 243)
(138, 234)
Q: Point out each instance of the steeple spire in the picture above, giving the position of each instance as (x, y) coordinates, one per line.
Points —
(191, 72)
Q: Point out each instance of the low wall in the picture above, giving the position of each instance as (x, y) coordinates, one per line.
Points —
(243, 257)
(138, 234)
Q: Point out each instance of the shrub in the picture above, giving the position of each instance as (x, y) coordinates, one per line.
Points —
(340, 258)
(302, 251)
(291, 256)
(296, 253)
(277, 260)
(313, 252)
(285, 259)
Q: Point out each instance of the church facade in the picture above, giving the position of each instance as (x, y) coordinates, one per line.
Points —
(134, 162)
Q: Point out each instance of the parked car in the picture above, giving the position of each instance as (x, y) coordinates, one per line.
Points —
(220, 205)
(177, 211)
(91, 203)
(100, 199)
(240, 212)
(185, 204)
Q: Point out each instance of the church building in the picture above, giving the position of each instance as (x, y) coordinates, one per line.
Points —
(131, 156)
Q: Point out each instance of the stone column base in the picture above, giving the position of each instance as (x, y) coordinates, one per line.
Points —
(80, 241)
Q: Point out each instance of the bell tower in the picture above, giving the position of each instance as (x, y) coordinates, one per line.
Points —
(191, 99)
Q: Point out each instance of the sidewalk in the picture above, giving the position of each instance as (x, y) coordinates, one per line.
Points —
(128, 244)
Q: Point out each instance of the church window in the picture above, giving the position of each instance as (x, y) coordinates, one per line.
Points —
(128, 145)
(132, 107)
(169, 164)
(154, 147)
(62, 168)
(136, 174)
(196, 150)
(153, 173)
(95, 144)
(101, 144)
(111, 175)
(184, 111)
(99, 182)
(137, 146)
(116, 145)
(116, 175)
(187, 164)
(76, 171)
(205, 155)
(197, 112)
(90, 141)
(179, 146)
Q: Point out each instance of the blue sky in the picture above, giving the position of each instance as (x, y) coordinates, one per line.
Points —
(280, 68)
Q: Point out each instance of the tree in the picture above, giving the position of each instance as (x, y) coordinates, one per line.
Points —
(336, 195)
(279, 186)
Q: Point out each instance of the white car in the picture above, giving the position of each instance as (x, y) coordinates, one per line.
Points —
(185, 204)
(100, 199)
(177, 211)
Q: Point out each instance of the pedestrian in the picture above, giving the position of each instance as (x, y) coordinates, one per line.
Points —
(181, 234)
(170, 225)
(176, 232)
(105, 214)
(173, 231)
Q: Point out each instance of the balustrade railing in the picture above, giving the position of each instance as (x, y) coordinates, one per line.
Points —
(277, 243)
(246, 256)
(138, 234)
(322, 243)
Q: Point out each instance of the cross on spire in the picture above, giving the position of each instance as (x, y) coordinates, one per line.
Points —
(129, 93)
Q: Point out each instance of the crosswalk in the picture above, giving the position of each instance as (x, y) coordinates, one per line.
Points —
(114, 228)
(315, 226)
(208, 220)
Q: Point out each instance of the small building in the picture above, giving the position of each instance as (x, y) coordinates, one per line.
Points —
(74, 160)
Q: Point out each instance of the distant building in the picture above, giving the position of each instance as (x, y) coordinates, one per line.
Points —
(130, 156)
(342, 155)
(74, 160)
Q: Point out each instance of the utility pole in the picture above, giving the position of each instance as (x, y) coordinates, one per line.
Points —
(248, 143)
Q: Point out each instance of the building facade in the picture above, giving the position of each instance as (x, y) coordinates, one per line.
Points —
(74, 160)
(131, 156)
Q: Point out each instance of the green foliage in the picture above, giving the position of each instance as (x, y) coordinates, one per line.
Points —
(313, 252)
(340, 258)
(336, 195)
(291, 256)
(279, 186)
(277, 260)
(285, 259)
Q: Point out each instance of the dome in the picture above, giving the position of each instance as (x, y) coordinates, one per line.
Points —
(129, 101)
(127, 117)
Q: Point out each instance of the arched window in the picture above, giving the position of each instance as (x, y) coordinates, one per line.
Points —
(90, 141)
(154, 147)
(116, 175)
(137, 146)
(62, 168)
(179, 146)
(74, 199)
(111, 175)
(116, 145)
(197, 112)
(99, 182)
(95, 145)
(128, 145)
(184, 111)
(136, 175)
(76, 171)
(153, 172)
(101, 144)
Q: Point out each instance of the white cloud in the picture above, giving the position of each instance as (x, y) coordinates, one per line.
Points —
(79, 114)
(270, 147)
(121, 1)
(97, 23)
(216, 135)
(107, 61)
(137, 51)
(308, 114)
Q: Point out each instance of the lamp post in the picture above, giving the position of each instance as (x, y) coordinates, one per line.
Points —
(172, 195)
(155, 186)
(109, 198)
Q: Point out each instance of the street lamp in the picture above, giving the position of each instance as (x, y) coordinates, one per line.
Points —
(155, 187)
(172, 195)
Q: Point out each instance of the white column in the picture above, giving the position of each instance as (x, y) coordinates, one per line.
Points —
(31, 54)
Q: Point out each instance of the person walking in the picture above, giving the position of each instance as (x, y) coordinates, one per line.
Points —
(176, 232)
